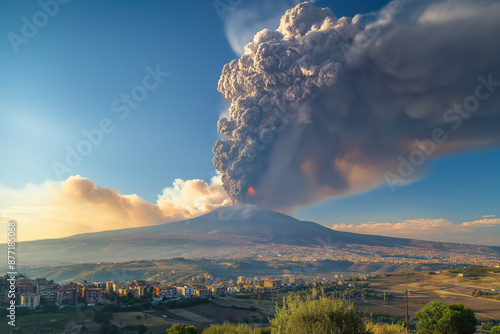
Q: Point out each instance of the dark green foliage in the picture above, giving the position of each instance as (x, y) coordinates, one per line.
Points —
(182, 329)
(141, 329)
(439, 318)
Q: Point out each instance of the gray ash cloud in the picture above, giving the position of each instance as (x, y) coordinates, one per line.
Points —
(326, 106)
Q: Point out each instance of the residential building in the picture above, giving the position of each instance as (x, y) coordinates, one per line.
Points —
(92, 296)
(166, 291)
(185, 291)
(31, 300)
(66, 296)
(275, 283)
(50, 296)
(201, 292)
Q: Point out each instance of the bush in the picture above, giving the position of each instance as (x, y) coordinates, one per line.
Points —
(487, 325)
(300, 315)
(437, 317)
(495, 330)
(479, 293)
(227, 328)
(385, 328)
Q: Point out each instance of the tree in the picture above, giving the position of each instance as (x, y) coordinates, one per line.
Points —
(313, 314)
(436, 317)
(182, 329)
(141, 329)
(495, 330)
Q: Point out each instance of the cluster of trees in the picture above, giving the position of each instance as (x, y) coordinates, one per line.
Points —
(479, 293)
(317, 313)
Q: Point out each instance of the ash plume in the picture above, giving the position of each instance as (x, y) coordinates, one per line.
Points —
(328, 106)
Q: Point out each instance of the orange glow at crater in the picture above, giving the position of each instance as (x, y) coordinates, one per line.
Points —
(251, 191)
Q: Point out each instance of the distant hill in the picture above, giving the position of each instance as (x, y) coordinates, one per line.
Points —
(183, 270)
(221, 233)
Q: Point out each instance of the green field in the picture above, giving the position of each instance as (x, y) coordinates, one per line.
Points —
(51, 323)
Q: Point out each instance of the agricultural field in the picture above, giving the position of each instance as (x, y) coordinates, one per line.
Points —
(221, 310)
(136, 318)
(236, 310)
(424, 287)
(191, 316)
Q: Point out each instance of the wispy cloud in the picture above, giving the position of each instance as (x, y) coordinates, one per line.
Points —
(484, 231)
(482, 223)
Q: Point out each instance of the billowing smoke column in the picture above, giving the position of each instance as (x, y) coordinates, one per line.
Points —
(328, 106)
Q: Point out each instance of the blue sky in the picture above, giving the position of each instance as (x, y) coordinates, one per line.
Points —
(65, 78)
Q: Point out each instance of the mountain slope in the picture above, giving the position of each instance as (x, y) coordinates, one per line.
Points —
(245, 220)
(225, 232)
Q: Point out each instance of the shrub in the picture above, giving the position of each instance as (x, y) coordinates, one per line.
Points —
(385, 328)
(227, 328)
(314, 314)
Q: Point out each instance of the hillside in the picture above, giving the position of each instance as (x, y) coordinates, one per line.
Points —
(180, 269)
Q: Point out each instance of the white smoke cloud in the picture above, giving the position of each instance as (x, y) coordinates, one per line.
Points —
(326, 106)
(191, 198)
